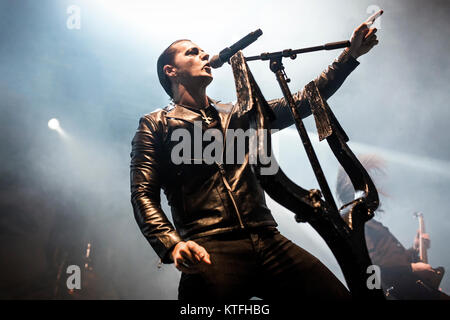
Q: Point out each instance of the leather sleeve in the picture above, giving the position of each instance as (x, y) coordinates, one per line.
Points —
(413, 255)
(145, 183)
(328, 82)
(386, 251)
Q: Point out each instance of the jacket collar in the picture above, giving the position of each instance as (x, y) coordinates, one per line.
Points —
(182, 113)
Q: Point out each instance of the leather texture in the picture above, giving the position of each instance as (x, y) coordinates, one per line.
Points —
(205, 199)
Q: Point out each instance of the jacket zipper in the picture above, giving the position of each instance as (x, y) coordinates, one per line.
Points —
(227, 185)
(222, 171)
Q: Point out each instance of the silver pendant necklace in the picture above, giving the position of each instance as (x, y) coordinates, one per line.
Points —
(205, 118)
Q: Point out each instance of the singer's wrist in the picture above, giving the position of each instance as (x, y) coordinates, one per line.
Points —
(351, 53)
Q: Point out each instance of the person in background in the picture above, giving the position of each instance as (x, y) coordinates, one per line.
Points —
(403, 275)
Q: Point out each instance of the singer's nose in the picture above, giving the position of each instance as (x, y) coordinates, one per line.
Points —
(205, 56)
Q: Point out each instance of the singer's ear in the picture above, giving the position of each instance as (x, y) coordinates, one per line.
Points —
(170, 70)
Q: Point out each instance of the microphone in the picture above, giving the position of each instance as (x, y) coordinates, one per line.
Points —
(219, 59)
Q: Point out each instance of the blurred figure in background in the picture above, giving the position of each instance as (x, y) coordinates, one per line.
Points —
(403, 275)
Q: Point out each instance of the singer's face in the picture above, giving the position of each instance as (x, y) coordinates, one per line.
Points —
(191, 63)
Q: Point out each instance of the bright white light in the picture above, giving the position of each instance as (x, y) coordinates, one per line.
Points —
(54, 124)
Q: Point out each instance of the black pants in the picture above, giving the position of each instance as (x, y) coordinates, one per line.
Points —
(261, 264)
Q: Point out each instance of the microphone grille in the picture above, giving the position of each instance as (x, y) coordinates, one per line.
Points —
(215, 62)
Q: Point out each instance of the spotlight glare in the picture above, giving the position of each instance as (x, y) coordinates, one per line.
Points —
(53, 124)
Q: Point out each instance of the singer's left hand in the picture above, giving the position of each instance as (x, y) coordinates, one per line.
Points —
(363, 40)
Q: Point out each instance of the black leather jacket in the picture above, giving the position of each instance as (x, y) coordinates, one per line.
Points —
(205, 199)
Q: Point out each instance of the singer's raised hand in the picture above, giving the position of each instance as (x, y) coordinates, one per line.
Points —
(364, 38)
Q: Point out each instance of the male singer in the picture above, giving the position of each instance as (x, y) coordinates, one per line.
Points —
(225, 240)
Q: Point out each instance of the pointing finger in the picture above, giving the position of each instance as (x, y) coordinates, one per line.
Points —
(373, 17)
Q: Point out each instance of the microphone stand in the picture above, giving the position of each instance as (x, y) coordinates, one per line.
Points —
(276, 66)
(343, 231)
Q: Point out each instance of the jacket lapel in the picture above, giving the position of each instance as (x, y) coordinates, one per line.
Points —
(181, 113)
(225, 111)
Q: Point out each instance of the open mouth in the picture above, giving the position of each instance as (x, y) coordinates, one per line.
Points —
(207, 68)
